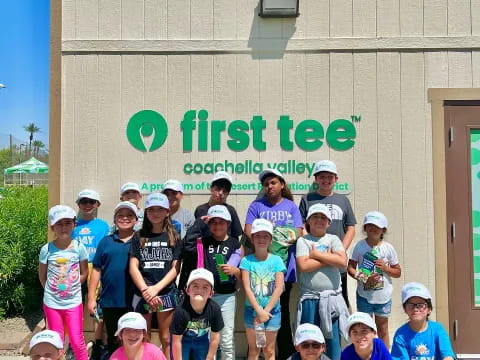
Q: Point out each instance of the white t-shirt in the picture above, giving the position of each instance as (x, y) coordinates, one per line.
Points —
(387, 253)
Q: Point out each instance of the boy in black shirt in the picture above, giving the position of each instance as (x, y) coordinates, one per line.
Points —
(195, 319)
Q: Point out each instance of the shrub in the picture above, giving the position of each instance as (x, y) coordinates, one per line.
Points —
(23, 231)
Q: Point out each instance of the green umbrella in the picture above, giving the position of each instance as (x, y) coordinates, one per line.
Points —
(31, 166)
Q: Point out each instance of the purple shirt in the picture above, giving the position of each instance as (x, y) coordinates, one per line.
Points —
(278, 214)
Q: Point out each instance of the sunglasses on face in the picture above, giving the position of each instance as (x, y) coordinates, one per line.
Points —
(308, 345)
(419, 306)
(86, 201)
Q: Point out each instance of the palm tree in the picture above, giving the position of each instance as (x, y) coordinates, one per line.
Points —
(37, 145)
(32, 129)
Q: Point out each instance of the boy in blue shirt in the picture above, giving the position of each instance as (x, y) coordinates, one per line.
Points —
(420, 338)
(362, 332)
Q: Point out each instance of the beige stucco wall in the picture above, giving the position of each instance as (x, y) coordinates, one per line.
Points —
(376, 59)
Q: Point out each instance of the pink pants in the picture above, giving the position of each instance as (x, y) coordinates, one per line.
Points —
(73, 319)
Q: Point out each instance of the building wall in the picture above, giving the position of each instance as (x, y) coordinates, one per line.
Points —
(374, 59)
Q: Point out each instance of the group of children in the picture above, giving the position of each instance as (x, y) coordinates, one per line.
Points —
(187, 269)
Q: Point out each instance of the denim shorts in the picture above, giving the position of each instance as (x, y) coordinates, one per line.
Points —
(382, 310)
(271, 325)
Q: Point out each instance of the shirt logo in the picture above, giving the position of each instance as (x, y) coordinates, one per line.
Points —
(422, 349)
(85, 231)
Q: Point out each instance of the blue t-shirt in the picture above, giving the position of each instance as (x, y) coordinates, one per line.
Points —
(431, 344)
(380, 352)
(111, 259)
(63, 287)
(262, 277)
(89, 233)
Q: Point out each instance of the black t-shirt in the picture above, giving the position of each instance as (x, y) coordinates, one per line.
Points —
(235, 228)
(211, 247)
(188, 323)
(155, 259)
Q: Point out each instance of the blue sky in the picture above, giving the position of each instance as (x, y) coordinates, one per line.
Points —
(24, 67)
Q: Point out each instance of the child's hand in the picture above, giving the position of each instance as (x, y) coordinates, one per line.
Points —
(228, 269)
(92, 306)
(149, 293)
(380, 264)
(262, 317)
(154, 302)
(373, 280)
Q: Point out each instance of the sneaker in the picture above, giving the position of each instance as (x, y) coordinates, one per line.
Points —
(69, 354)
(104, 354)
(96, 352)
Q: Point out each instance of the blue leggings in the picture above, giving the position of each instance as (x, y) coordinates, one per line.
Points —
(310, 315)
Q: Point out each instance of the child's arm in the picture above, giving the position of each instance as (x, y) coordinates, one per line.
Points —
(348, 238)
(136, 275)
(352, 268)
(42, 274)
(261, 313)
(307, 264)
(92, 290)
(393, 271)
(177, 346)
(279, 284)
(83, 270)
(336, 258)
(212, 348)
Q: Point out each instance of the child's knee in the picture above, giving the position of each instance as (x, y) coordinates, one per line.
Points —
(269, 350)
(164, 339)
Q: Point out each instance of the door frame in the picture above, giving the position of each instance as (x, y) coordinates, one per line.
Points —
(437, 97)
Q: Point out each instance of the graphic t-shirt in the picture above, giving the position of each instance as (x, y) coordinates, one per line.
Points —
(235, 229)
(380, 352)
(89, 233)
(262, 277)
(111, 259)
(188, 323)
(325, 278)
(382, 292)
(431, 344)
(155, 259)
(150, 352)
(63, 287)
(339, 206)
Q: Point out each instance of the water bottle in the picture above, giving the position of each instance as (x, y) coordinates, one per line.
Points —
(289, 221)
(260, 337)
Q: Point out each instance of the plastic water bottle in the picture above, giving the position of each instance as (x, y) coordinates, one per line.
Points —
(289, 221)
(260, 336)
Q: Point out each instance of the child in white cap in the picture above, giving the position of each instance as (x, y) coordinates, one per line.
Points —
(420, 338)
(263, 281)
(362, 332)
(154, 265)
(173, 190)
(319, 258)
(216, 252)
(46, 344)
(110, 265)
(130, 191)
(62, 269)
(132, 332)
(309, 343)
(89, 231)
(373, 263)
(197, 322)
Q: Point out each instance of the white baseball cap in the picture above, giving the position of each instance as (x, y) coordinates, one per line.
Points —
(307, 332)
(415, 289)
(268, 172)
(129, 186)
(319, 208)
(89, 194)
(325, 165)
(201, 273)
(46, 336)
(360, 318)
(126, 205)
(222, 175)
(174, 185)
(376, 218)
(157, 199)
(219, 211)
(59, 212)
(262, 225)
(131, 320)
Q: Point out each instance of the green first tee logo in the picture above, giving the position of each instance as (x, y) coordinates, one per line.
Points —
(208, 135)
(146, 123)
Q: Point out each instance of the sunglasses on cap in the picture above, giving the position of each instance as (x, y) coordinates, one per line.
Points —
(308, 345)
(85, 201)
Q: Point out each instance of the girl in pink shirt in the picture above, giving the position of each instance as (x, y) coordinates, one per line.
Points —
(132, 331)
